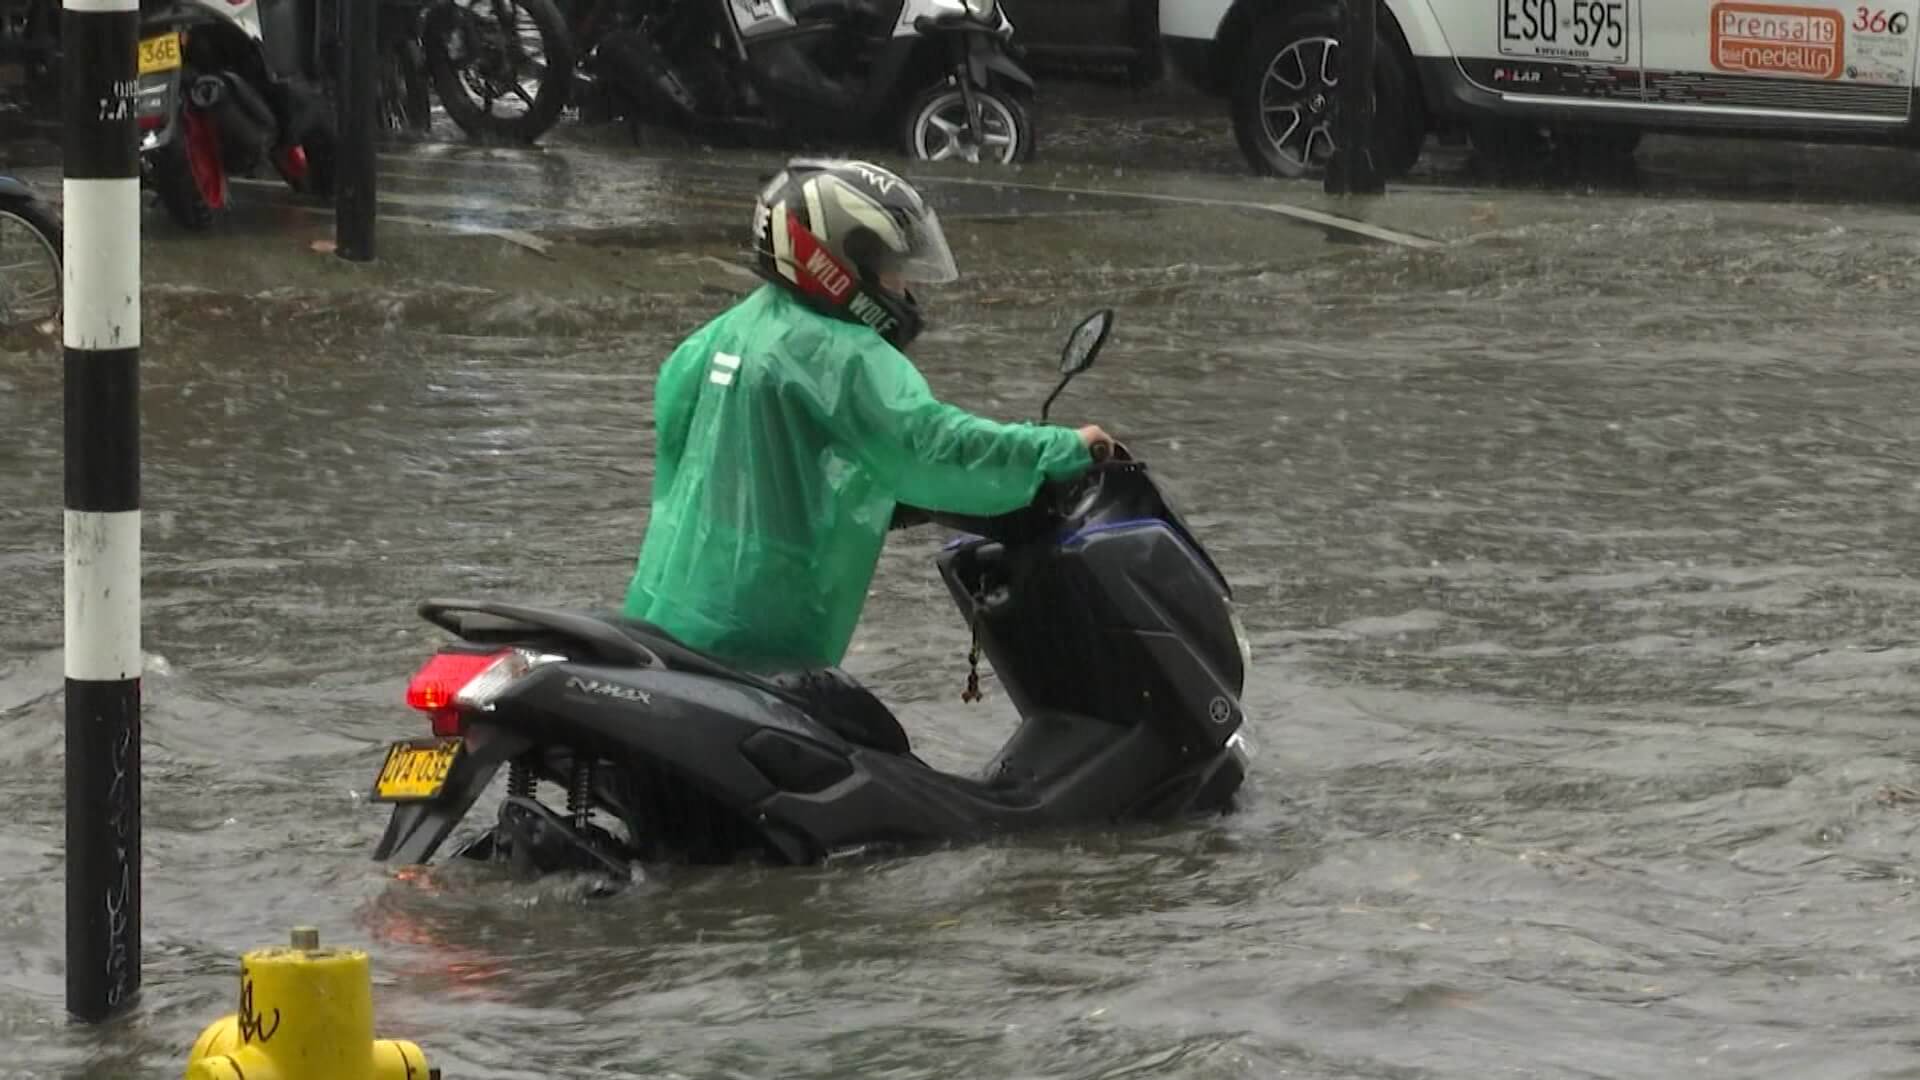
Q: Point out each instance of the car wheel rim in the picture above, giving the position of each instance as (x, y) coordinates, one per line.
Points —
(941, 133)
(1297, 94)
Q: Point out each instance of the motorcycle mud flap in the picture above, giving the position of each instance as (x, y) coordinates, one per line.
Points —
(205, 159)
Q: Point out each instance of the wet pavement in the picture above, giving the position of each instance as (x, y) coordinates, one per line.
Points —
(1577, 554)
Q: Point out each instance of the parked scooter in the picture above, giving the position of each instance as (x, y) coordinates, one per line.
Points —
(1110, 627)
(223, 85)
(934, 78)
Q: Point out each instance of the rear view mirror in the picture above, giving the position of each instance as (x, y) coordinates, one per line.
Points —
(1084, 343)
(1082, 346)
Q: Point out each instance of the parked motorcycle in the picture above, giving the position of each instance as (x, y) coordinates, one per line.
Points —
(1111, 629)
(223, 85)
(482, 56)
(935, 78)
(503, 68)
(31, 242)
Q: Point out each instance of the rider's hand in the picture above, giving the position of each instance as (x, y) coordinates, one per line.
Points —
(1099, 444)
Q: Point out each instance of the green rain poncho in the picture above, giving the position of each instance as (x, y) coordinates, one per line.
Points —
(783, 440)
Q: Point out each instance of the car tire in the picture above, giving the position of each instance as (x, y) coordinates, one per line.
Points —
(1287, 42)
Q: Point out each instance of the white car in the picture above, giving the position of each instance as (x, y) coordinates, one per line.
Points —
(1513, 72)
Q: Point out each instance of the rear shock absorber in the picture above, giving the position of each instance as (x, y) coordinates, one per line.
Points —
(520, 779)
(580, 793)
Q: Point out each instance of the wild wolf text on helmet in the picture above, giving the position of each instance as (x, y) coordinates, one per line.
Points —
(848, 238)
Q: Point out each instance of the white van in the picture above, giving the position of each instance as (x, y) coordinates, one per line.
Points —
(1515, 72)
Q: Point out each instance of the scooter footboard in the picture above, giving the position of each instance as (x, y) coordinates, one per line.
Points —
(1083, 769)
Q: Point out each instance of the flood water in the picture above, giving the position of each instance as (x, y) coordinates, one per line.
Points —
(1578, 558)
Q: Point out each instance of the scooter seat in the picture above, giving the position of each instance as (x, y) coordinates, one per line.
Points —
(678, 657)
(829, 695)
(837, 700)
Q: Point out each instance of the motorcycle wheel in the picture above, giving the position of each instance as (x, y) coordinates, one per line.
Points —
(934, 127)
(21, 308)
(406, 94)
(179, 189)
(469, 94)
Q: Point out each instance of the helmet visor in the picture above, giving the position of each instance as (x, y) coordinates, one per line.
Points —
(927, 259)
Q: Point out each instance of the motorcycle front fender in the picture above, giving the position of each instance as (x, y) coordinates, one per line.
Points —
(987, 59)
(416, 830)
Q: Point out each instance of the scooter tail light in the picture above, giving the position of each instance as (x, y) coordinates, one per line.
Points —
(507, 668)
(452, 684)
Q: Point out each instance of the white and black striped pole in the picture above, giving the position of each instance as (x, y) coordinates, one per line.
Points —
(100, 43)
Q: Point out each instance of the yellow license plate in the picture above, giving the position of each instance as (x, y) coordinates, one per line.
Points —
(416, 770)
(160, 53)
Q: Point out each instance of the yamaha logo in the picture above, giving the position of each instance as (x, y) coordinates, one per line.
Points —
(1219, 710)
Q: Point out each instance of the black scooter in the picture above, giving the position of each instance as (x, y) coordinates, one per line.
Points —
(935, 78)
(1111, 629)
(225, 85)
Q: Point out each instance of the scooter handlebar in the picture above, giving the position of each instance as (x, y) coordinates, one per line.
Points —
(1031, 522)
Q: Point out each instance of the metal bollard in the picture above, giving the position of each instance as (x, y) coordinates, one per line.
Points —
(1353, 170)
(306, 1013)
(355, 208)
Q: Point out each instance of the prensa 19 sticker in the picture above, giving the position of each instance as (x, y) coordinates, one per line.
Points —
(1769, 39)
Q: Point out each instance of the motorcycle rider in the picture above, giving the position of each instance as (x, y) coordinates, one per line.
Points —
(788, 428)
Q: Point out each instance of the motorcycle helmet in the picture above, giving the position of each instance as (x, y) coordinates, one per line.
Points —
(828, 230)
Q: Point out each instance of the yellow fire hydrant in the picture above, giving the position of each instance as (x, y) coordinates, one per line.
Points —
(306, 1013)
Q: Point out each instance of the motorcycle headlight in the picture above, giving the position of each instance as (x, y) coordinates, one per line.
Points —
(983, 10)
(1240, 638)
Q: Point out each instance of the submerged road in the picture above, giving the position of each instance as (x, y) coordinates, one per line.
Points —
(1577, 554)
